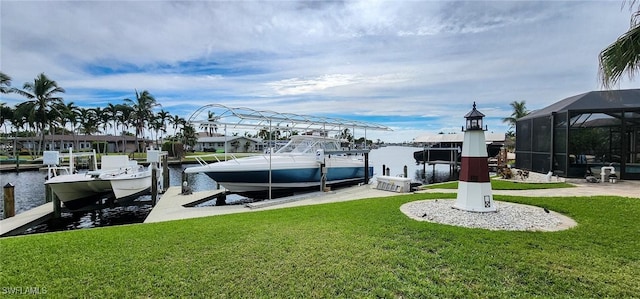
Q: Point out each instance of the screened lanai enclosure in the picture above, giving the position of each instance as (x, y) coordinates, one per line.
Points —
(581, 134)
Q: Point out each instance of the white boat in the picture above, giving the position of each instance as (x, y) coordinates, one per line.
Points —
(118, 178)
(294, 166)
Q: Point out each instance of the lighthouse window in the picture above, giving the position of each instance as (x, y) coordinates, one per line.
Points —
(474, 123)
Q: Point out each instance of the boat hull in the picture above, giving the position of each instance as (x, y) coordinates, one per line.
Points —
(80, 190)
(256, 184)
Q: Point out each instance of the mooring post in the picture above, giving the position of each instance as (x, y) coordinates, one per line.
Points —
(9, 201)
(47, 193)
(154, 184)
(384, 168)
(405, 171)
(323, 177)
(57, 205)
(221, 200)
(183, 181)
(165, 173)
(388, 171)
(433, 173)
(366, 168)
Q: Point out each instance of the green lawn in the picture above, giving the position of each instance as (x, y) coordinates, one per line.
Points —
(356, 249)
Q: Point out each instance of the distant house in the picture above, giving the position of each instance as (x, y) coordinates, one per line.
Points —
(79, 143)
(234, 144)
(494, 141)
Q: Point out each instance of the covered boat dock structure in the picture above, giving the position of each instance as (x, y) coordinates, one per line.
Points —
(280, 126)
(219, 116)
(582, 134)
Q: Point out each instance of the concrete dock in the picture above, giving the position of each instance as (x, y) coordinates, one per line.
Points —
(25, 220)
(172, 204)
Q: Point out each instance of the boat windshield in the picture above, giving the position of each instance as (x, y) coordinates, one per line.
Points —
(311, 145)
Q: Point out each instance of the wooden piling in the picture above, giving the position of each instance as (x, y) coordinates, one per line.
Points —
(221, 200)
(154, 184)
(57, 205)
(388, 171)
(405, 171)
(323, 177)
(165, 173)
(182, 182)
(9, 201)
(384, 168)
(366, 168)
(47, 194)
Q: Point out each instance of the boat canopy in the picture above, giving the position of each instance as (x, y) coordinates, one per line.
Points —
(221, 115)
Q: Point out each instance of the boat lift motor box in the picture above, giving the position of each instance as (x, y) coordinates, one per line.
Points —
(153, 156)
(51, 157)
(393, 183)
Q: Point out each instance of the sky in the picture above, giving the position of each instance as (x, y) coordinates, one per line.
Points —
(413, 66)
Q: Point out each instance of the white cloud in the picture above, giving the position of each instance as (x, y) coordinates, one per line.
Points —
(395, 59)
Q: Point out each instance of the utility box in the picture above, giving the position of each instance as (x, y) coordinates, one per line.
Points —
(393, 184)
(51, 158)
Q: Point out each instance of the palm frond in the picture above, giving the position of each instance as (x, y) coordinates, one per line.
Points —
(622, 56)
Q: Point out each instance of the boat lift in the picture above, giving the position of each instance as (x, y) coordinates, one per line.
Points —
(234, 118)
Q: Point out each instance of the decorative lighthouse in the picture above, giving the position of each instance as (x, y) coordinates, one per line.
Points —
(474, 188)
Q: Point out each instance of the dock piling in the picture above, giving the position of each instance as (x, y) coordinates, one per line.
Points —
(366, 168)
(405, 171)
(9, 201)
(384, 168)
(165, 173)
(154, 184)
(57, 205)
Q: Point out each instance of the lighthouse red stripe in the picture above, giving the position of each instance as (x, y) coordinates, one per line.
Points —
(474, 169)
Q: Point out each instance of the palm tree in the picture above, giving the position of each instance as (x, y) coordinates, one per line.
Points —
(163, 117)
(176, 121)
(103, 118)
(6, 113)
(24, 117)
(623, 55)
(112, 111)
(42, 93)
(519, 111)
(70, 114)
(5, 83)
(142, 106)
(125, 119)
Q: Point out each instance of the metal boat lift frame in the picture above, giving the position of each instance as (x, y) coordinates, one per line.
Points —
(243, 117)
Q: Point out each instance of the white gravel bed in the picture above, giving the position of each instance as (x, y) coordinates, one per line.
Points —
(509, 216)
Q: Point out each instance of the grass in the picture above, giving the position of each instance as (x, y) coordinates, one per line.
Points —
(357, 249)
(505, 185)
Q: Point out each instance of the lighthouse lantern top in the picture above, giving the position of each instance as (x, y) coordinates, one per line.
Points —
(474, 119)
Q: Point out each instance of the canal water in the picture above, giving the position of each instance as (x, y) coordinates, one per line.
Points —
(29, 190)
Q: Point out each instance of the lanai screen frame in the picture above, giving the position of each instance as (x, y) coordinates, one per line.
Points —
(544, 143)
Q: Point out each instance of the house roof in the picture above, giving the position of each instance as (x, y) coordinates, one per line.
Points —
(68, 138)
(593, 101)
(227, 139)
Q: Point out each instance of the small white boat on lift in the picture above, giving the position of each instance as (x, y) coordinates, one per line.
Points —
(118, 178)
(294, 166)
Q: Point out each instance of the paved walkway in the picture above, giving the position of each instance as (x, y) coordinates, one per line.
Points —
(621, 188)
